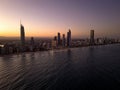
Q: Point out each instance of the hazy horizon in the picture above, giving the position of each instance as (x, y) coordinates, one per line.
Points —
(45, 18)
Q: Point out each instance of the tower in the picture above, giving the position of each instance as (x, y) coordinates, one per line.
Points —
(59, 39)
(22, 35)
(69, 38)
(91, 37)
(54, 42)
(63, 40)
(32, 42)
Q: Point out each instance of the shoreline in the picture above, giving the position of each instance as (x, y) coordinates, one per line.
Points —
(63, 48)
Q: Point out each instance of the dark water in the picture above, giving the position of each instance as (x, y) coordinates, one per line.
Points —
(87, 68)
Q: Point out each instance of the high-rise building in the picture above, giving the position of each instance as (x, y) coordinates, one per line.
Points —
(54, 42)
(22, 34)
(59, 39)
(32, 42)
(63, 40)
(91, 37)
(69, 38)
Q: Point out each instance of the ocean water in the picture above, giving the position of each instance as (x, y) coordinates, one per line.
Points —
(86, 68)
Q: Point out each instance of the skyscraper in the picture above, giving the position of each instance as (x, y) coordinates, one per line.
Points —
(59, 39)
(69, 38)
(63, 40)
(32, 42)
(91, 37)
(22, 34)
(54, 42)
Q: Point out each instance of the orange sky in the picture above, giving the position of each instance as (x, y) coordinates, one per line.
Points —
(45, 18)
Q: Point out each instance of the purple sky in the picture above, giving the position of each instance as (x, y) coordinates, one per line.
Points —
(45, 18)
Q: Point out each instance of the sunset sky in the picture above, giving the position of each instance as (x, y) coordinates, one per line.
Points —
(44, 18)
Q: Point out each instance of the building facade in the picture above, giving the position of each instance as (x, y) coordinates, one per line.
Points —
(92, 37)
(69, 38)
(22, 35)
(59, 39)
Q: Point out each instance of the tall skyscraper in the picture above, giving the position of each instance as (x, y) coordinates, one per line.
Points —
(22, 34)
(91, 37)
(59, 39)
(63, 40)
(69, 38)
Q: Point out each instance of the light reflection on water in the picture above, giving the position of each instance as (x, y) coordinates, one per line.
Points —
(77, 68)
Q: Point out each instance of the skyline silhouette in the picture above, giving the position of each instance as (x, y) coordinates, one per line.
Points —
(45, 18)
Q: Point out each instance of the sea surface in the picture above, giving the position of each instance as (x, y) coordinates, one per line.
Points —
(86, 68)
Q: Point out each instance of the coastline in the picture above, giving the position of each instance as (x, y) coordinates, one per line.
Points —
(54, 49)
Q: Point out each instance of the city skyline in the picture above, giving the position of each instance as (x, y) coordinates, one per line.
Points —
(44, 18)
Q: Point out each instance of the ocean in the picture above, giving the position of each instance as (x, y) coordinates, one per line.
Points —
(85, 68)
